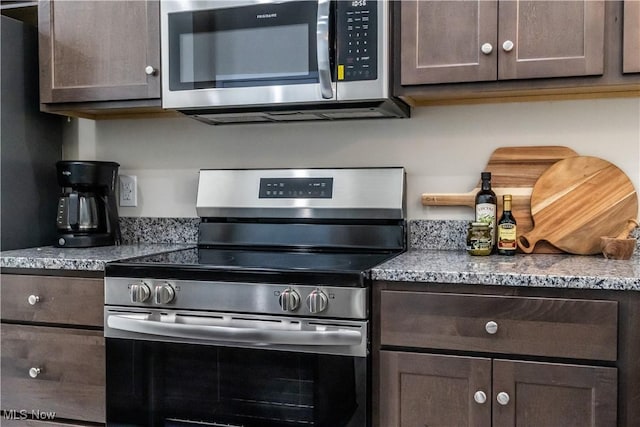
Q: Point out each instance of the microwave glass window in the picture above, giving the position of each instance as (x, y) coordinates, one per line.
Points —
(232, 57)
(264, 44)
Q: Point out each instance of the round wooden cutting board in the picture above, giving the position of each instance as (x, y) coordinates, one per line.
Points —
(578, 200)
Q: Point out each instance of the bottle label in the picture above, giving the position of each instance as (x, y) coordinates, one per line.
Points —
(486, 212)
(507, 237)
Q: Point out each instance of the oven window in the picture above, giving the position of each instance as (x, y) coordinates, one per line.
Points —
(247, 46)
(163, 384)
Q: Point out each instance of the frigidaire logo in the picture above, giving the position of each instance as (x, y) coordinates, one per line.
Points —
(267, 16)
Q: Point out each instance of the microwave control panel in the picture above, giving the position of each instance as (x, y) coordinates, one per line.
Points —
(357, 30)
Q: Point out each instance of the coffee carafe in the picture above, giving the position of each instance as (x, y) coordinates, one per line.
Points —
(87, 211)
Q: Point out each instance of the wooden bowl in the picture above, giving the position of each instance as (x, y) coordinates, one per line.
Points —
(615, 248)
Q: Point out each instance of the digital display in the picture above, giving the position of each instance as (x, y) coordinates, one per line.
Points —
(296, 188)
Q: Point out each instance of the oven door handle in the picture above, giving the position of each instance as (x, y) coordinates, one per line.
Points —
(143, 324)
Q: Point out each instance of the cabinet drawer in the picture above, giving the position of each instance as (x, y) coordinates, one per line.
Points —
(64, 300)
(553, 327)
(71, 382)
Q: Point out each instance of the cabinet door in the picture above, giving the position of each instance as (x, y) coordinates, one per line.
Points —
(98, 50)
(548, 394)
(550, 38)
(419, 390)
(631, 37)
(441, 41)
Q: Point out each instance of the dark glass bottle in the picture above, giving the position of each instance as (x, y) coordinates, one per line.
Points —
(486, 203)
(507, 229)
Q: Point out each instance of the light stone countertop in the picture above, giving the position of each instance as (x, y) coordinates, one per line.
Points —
(88, 259)
(538, 270)
(416, 265)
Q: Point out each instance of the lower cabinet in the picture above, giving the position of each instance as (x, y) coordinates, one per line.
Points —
(442, 390)
(477, 359)
(52, 373)
(53, 352)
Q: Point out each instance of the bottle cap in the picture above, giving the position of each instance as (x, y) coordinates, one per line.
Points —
(485, 175)
(506, 197)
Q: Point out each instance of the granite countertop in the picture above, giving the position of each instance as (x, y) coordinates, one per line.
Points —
(557, 271)
(91, 259)
(416, 265)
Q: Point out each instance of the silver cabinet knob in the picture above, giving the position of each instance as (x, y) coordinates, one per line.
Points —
(289, 300)
(33, 299)
(317, 301)
(486, 48)
(150, 71)
(491, 327)
(502, 398)
(480, 397)
(34, 372)
(164, 294)
(507, 46)
(139, 292)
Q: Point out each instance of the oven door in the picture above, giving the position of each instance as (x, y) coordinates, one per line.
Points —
(187, 368)
(246, 52)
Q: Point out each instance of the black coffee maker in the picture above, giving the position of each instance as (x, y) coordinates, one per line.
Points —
(87, 211)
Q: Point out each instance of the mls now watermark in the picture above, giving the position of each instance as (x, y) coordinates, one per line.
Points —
(23, 414)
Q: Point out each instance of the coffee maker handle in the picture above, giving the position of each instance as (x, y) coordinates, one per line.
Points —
(113, 220)
(74, 210)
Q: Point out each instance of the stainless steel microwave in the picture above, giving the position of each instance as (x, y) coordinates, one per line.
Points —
(227, 61)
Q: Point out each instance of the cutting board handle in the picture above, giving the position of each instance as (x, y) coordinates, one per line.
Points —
(526, 243)
(449, 199)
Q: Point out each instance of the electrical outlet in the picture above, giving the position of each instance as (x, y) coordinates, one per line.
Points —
(128, 190)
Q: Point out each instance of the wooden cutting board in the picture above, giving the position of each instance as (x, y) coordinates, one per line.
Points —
(578, 200)
(514, 170)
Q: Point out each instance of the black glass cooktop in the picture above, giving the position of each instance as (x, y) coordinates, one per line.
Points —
(342, 269)
(253, 266)
(225, 259)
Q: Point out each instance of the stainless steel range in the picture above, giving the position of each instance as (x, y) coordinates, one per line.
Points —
(266, 322)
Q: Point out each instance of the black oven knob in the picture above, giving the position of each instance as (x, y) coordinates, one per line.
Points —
(317, 301)
(139, 292)
(289, 300)
(164, 294)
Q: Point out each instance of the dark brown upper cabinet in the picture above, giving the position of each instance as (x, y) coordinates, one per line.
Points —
(483, 49)
(468, 41)
(99, 55)
(631, 37)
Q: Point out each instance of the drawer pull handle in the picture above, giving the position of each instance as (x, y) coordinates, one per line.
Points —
(33, 299)
(34, 372)
(480, 397)
(502, 398)
(491, 327)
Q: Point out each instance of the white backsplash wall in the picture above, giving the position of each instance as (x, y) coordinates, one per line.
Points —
(443, 148)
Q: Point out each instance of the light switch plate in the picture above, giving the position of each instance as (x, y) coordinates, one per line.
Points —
(128, 190)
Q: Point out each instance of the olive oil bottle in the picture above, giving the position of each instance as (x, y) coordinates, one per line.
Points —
(507, 229)
(486, 203)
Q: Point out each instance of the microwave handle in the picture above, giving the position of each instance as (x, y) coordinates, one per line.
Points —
(142, 324)
(324, 66)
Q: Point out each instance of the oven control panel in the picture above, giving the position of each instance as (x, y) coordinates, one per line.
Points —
(296, 188)
(266, 298)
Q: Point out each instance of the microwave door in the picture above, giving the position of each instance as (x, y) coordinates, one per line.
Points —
(249, 54)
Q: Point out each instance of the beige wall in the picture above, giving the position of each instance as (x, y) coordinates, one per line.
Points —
(442, 148)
